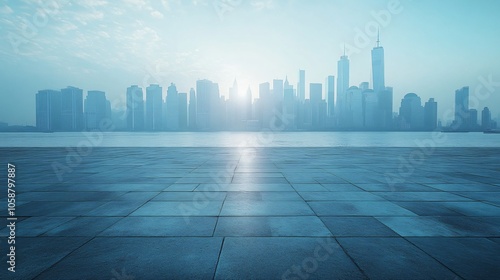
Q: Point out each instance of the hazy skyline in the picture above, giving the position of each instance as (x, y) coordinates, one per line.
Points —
(431, 48)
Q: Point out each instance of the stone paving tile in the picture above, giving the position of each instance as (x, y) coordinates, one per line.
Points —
(245, 187)
(271, 226)
(36, 254)
(358, 208)
(83, 226)
(69, 196)
(250, 196)
(162, 226)
(57, 209)
(115, 208)
(309, 187)
(421, 196)
(393, 258)
(465, 187)
(284, 258)
(181, 187)
(473, 208)
(321, 196)
(470, 258)
(426, 208)
(156, 257)
(188, 196)
(265, 208)
(35, 226)
(351, 226)
(179, 208)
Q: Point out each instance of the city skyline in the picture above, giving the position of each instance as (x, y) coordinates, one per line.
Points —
(420, 56)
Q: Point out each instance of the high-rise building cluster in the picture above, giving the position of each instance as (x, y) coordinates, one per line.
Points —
(65, 109)
(336, 105)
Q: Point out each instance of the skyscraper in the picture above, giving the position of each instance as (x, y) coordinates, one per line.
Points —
(473, 124)
(354, 108)
(172, 101)
(301, 89)
(370, 108)
(192, 109)
(48, 110)
(183, 111)
(378, 67)
(135, 108)
(289, 106)
(207, 102)
(330, 95)
(154, 108)
(71, 109)
(486, 119)
(234, 112)
(411, 112)
(266, 105)
(342, 87)
(385, 108)
(95, 109)
(316, 96)
(430, 114)
(461, 121)
(248, 105)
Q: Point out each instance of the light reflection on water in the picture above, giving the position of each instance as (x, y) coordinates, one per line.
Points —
(250, 139)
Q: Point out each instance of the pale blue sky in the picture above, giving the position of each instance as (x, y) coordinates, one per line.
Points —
(431, 47)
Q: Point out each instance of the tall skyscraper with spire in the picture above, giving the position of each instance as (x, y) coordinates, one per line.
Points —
(342, 86)
(378, 67)
(384, 94)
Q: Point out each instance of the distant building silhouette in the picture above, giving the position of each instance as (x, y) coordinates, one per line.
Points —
(385, 98)
(301, 87)
(342, 87)
(192, 109)
(289, 106)
(378, 67)
(486, 119)
(473, 120)
(172, 101)
(95, 109)
(330, 95)
(430, 114)
(411, 112)
(71, 109)
(248, 111)
(353, 115)
(183, 111)
(207, 102)
(265, 105)
(461, 121)
(154, 108)
(135, 108)
(370, 108)
(48, 110)
(316, 94)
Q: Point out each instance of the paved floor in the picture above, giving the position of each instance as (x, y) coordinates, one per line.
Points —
(286, 213)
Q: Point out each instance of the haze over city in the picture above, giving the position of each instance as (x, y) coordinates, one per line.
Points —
(431, 49)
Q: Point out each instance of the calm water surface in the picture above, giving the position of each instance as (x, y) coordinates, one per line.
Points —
(249, 139)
